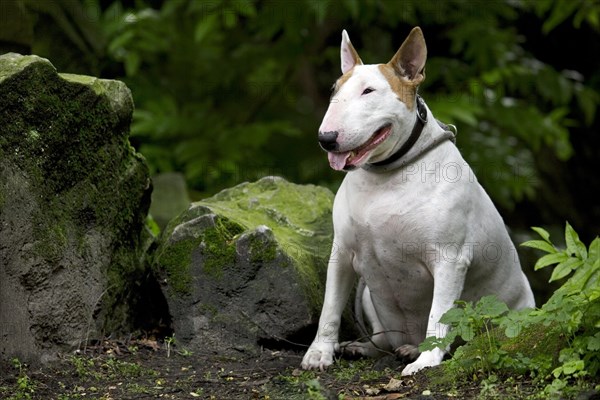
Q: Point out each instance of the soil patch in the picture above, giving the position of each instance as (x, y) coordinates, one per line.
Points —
(146, 369)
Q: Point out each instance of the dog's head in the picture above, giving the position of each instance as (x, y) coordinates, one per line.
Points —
(372, 107)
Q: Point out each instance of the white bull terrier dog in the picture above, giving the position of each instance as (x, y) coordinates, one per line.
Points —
(410, 220)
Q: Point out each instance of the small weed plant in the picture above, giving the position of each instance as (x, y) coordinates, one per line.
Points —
(556, 345)
(171, 343)
(25, 385)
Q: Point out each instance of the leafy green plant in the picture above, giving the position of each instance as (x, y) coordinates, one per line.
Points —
(567, 260)
(85, 367)
(25, 387)
(474, 323)
(557, 344)
(575, 306)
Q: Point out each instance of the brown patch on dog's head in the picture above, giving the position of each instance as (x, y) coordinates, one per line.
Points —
(406, 70)
(341, 80)
(405, 90)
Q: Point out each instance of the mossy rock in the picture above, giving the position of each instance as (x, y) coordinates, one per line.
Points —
(248, 264)
(73, 202)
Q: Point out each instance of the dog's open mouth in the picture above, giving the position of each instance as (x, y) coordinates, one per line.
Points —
(349, 159)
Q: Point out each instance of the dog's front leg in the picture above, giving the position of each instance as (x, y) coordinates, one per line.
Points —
(340, 278)
(448, 285)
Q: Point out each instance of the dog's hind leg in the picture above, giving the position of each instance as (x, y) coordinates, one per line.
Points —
(375, 344)
(358, 308)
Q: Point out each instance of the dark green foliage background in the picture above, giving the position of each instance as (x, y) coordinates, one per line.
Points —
(232, 90)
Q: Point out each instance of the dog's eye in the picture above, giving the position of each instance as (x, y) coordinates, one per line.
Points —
(367, 91)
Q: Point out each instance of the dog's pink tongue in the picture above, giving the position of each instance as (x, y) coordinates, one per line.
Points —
(337, 161)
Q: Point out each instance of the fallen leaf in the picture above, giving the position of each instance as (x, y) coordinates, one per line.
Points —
(394, 384)
(371, 391)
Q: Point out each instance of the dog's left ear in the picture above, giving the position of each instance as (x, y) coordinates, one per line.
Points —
(409, 60)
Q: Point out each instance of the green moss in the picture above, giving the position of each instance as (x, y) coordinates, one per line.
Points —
(537, 341)
(14, 63)
(176, 260)
(54, 242)
(262, 250)
(219, 246)
(89, 81)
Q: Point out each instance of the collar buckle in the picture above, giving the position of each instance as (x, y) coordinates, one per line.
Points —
(421, 110)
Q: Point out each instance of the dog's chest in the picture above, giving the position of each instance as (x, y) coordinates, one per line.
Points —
(382, 222)
(388, 208)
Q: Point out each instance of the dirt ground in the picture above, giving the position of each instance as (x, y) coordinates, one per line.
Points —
(146, 369)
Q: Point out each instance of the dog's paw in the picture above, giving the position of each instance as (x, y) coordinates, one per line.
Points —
(358, 349)
(426, 359)
(318, 356)
(408, 352)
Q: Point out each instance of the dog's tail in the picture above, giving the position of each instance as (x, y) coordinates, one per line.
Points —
(359, 315)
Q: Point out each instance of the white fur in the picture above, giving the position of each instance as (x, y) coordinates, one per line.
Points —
(422, 236)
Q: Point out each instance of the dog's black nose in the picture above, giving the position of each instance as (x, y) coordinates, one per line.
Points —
(327, 140)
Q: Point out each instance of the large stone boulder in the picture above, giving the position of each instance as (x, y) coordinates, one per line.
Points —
(73, 202)
(247, 266)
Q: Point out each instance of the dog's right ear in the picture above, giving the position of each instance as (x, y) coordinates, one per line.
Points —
(348, 54)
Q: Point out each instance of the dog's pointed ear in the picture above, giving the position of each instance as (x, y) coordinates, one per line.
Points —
(348, 54)
(409, 60)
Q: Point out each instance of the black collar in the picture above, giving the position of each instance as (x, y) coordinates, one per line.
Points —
(412, 139)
